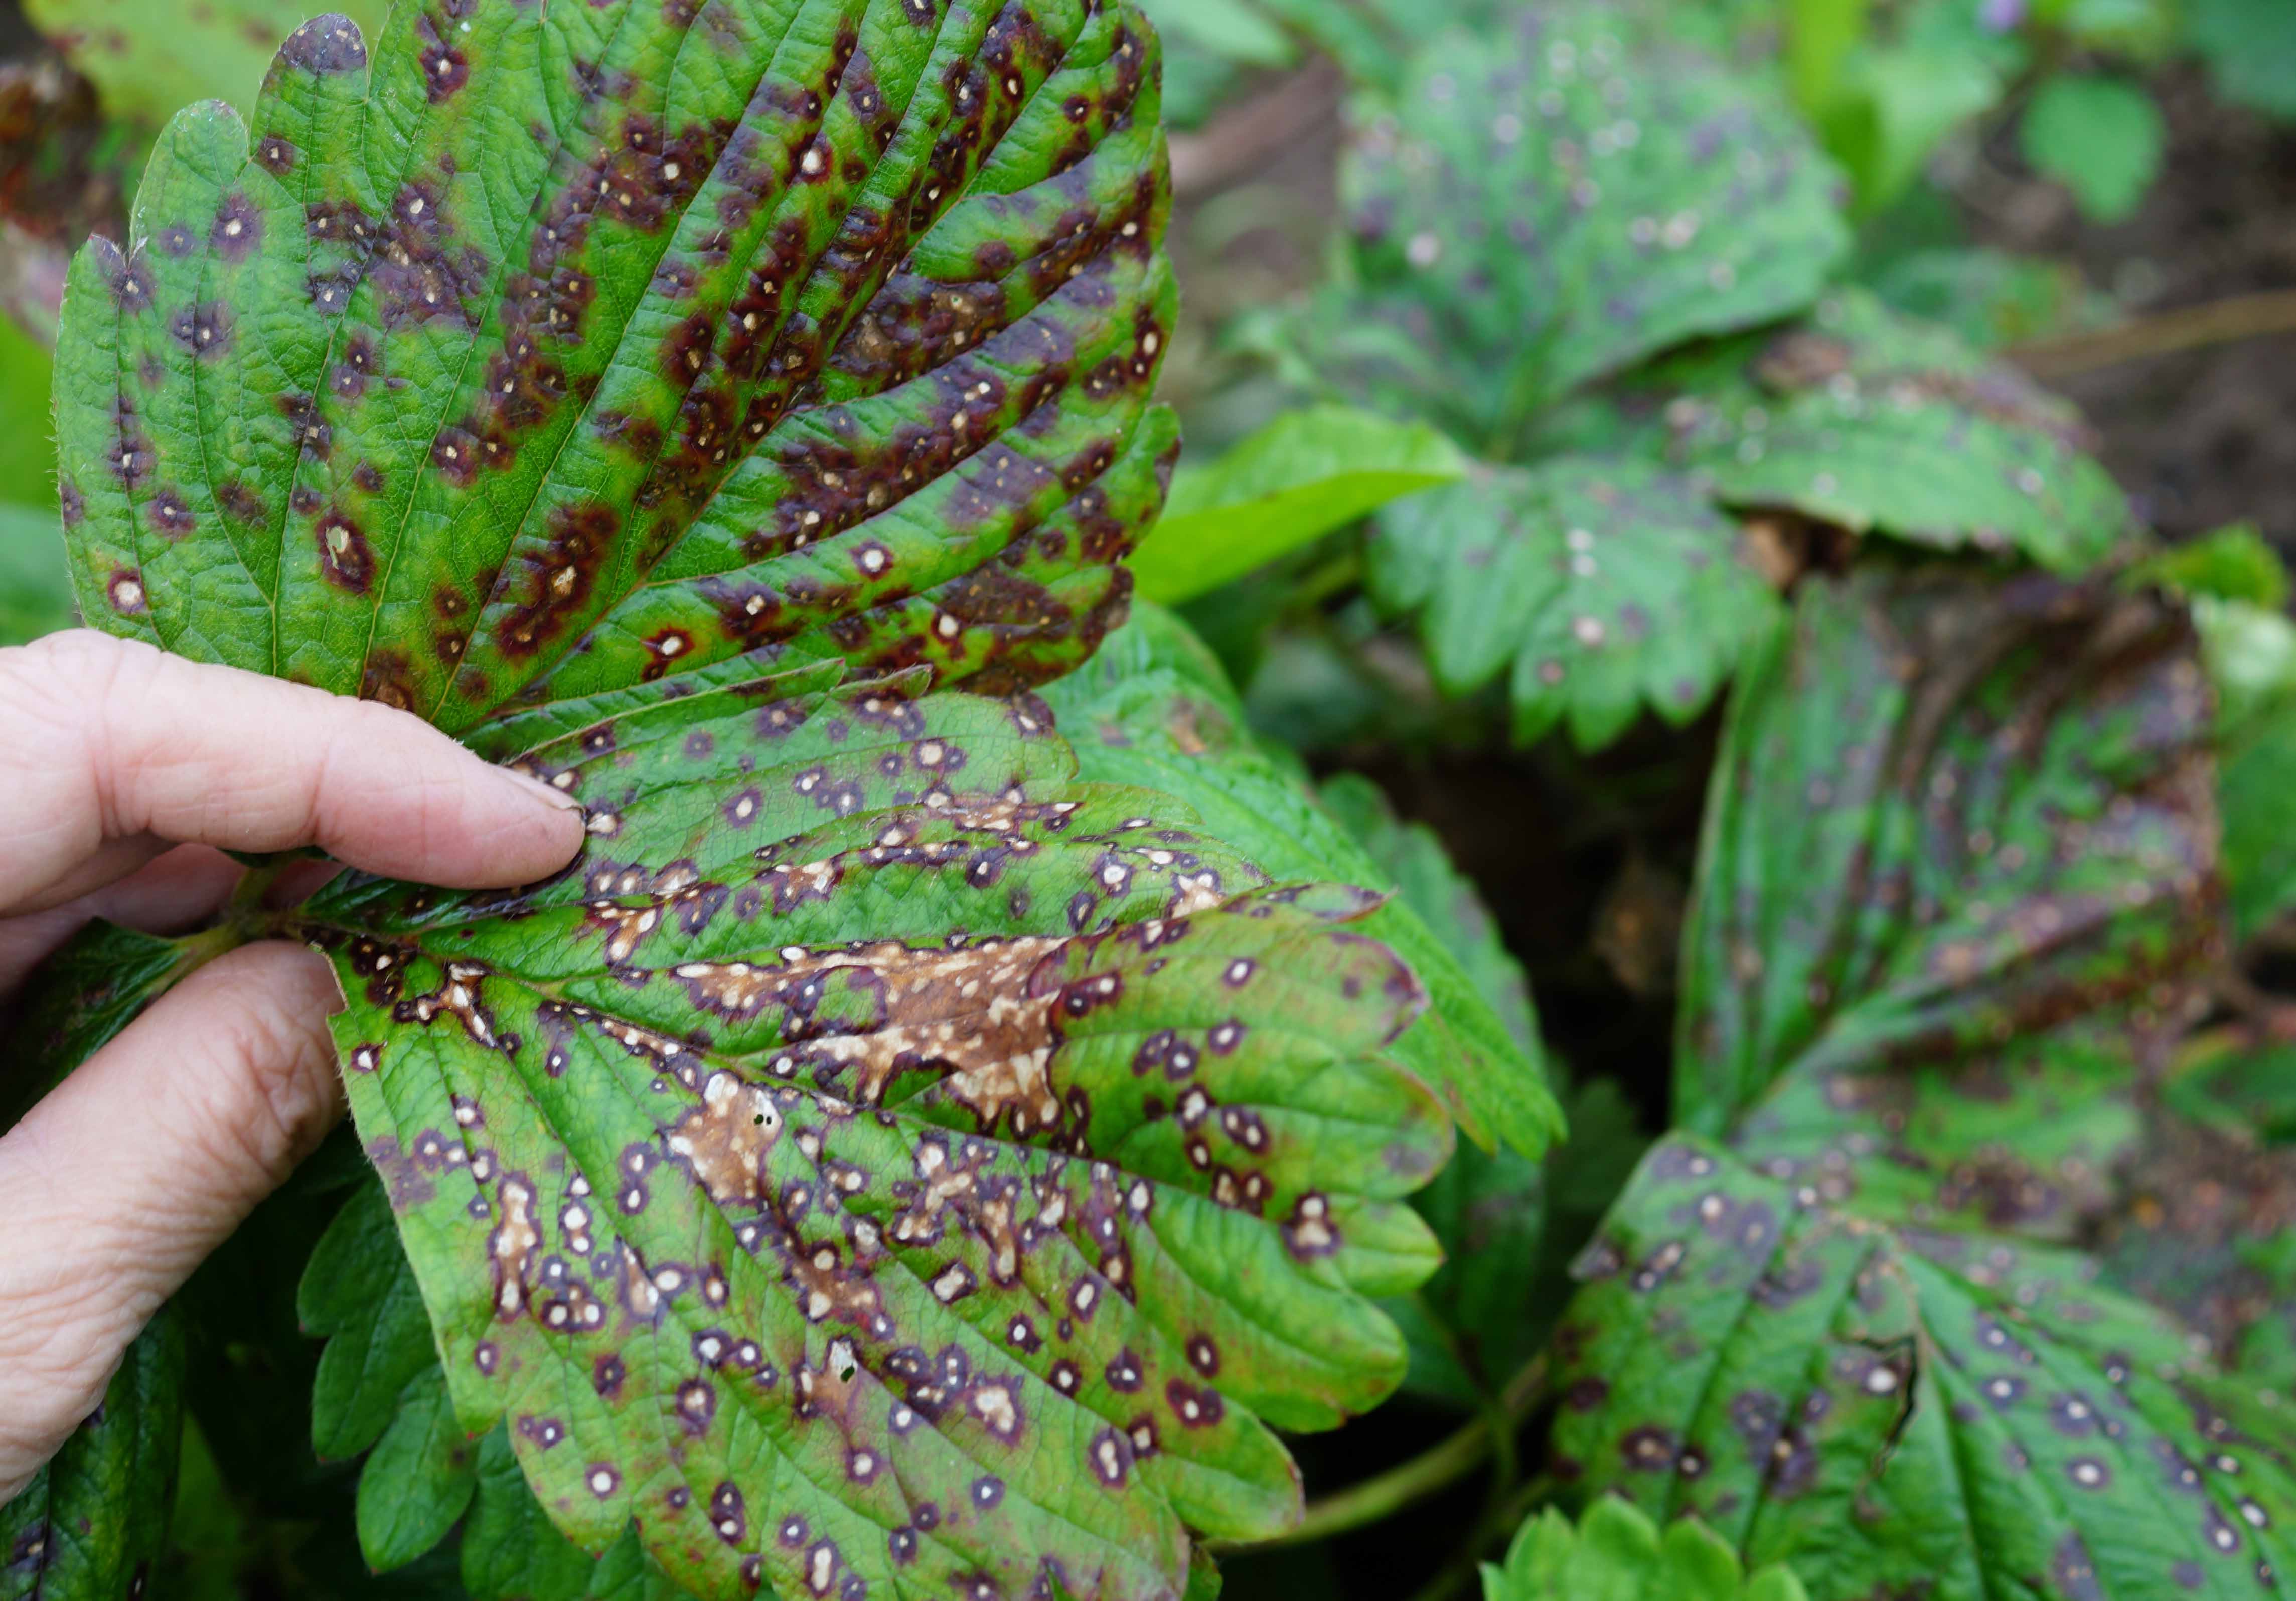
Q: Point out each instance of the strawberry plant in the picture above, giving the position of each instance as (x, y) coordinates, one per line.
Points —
(1013, 1099)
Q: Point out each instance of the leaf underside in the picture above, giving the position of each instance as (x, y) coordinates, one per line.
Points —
(559, 350)
(1896, 1409)
(884, 1165)
(1868, 419)
(1599, 586)
(1541, 211)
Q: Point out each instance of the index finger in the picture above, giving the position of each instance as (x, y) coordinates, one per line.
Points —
(114, 740)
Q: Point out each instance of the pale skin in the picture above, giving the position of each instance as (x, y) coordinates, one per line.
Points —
(129, 772)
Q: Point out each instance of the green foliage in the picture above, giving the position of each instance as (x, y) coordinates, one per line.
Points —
(1869, 421)
(357, 407)
(1892, 1407)
(1599, 586)
(1946, 816)
(2234, 563)
(1153, 710)
(147, 57)
(359, 1293)
(1304, 475)
(1989, 297)
(2250, 48)
(92, 1523)
(1552, 206)
(2101, 137)
(419, 1479)
(1617, 1554)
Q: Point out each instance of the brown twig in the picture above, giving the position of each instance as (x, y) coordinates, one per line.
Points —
(2161, 333)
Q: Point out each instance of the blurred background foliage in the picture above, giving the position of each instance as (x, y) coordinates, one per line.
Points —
(1422, 374)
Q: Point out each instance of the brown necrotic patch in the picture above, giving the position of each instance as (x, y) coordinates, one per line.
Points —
(726, 1140)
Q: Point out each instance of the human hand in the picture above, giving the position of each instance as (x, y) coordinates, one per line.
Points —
(129, 772)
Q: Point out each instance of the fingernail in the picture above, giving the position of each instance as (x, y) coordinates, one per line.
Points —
(527, 780)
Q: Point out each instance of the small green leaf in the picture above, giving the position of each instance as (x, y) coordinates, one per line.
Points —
(568, 350)
(1155, 710)
(359, 1292)
(1562, 198)
(2231, 563)
(1601, 585)
(1617, 1554)
(1301, 477)
(1894, 105)
(419, 1478)
(2101, 137)
(93, 1523)
(1905, 1409)
(1871, 420)
(1948, 810)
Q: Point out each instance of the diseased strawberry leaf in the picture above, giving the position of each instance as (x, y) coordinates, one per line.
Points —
(1898, 1409)
(1558, 202)
(564, 349)
(1154, 709)
(955, 1157)
(1948, 812)
(93, 1521)
(1617, 1553)
(1599, 586)
(511, 1553)
(1863, 418)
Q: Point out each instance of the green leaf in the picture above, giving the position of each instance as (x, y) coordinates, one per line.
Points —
(1601, 587)
(1990, 298)
(359, 1292)
(2232, 563)
(2253, 778)
(1229, 29)
(1155, 710)
(1617, 1554)
(148, 57)
(1871, 420)
(573, 349)
(93, 1521)
(1894, 106)
(1897, 1408)
(879, 1118)
(1301, 477)
(1558, 200)
(2249, 46)
(1947, 812)
(2251, 653)
(511, 1553)
(2101, 137)
(419, 1478)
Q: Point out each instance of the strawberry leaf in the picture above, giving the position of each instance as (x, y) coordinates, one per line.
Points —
(1154, 709)
(1947, 812)
(1899, 1409)
(953, 1158)
(1598, 586)
(359, 1292)
(1871, 420)
(558, 350)
(1557, 202)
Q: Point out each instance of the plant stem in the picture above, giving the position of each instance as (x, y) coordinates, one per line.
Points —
(1434, 1469)
(2163, 333)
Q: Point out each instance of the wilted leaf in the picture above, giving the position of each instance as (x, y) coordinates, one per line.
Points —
(1616, 1553)
(1155, 710)
(1602, 586)
(1305, 474)
(1897, 1410)
(1872, 421)
(953, 1158)
(1949, 812)
(94, 1522)
(1568, 196)
(575, 346)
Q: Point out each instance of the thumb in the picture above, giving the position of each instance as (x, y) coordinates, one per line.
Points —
(122, 1181)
